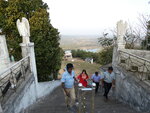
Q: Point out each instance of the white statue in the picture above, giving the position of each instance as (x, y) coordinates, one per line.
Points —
(121, 30)
(24, 29)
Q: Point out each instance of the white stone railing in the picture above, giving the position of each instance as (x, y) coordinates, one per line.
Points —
(10, 78)
(131, 62)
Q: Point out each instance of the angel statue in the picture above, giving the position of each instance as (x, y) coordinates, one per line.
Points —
(24, 29)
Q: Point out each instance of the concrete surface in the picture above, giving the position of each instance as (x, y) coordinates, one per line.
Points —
(55, 103)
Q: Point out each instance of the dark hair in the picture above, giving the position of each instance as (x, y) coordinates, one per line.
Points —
(69, 65)
(84, 72)
(110, 68)
(96, 73)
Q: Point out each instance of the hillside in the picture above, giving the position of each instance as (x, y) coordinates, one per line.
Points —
(79, 42)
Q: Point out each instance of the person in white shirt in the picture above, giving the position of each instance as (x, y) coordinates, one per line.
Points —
(96, 79)
(108, 79)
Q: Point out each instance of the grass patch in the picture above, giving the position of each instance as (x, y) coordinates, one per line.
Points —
(79, 65)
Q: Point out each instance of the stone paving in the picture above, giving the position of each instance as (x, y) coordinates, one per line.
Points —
(55, 103)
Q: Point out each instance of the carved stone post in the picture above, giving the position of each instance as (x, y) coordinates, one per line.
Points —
(4, 55)
(32, 60)
(28, 50)
(120, 42)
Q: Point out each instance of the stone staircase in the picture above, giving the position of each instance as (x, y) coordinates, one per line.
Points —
(55, 103)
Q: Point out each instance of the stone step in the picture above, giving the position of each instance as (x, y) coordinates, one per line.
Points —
(55, 103)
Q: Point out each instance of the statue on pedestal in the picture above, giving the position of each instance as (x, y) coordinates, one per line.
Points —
(24, 29)
(121, 30)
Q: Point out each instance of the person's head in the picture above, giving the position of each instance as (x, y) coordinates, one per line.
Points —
(96, 73)
(69, 67)
(110, 69)
(84, 72)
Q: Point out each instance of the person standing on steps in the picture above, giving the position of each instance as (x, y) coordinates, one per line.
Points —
(108, 80)
(96, 79)
(68, 79)
(83, 77)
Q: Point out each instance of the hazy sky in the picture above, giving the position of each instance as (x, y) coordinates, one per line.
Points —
(91, 17)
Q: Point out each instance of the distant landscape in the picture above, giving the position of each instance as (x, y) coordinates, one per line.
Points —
(79, 42)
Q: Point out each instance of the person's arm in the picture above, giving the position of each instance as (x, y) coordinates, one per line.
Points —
(75, 78)
(92, 78)
(63, 85)
(102, 79)
(113, 82)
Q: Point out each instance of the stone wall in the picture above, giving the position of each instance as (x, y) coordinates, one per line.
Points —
(132, 91)
(129, 88)
(27, 94)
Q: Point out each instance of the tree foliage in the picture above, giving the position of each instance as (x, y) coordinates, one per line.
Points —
(43, 34)
(146, 42)
(82, 54)
(103, 57)
(105, 41)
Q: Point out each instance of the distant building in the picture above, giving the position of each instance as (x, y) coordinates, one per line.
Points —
(68, 54)
(89, 60)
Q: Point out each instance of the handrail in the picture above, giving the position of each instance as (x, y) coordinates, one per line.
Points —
(15, 73)
(135, 63)
(14, 65)
(135, 56)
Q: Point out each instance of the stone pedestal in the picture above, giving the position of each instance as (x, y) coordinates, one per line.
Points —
(28, 50)
(33, 66)
(4, 55)
(32, 59)
(121, 43)
(24, 48)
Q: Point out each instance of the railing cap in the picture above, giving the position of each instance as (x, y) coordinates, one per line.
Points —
(14, 65)
(135, 56)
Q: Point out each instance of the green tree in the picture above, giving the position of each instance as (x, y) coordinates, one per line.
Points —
(146, 42)
(43, 34)
(105, 41)
(105, 56)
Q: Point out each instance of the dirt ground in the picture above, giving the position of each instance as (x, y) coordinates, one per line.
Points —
(79, 65)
